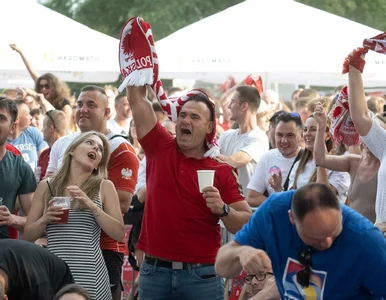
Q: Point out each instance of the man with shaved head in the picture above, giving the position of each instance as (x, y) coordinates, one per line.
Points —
(316, 247)
(92, 111)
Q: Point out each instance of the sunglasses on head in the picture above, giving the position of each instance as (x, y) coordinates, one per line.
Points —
(48, 114)
(303, 276)
(259, 277)
(41, 86)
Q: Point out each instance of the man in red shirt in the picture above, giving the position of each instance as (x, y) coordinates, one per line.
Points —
(180, 233)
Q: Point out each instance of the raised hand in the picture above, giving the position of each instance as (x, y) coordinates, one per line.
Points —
(320, 115)
(275, 181)
(254, 261)
(77, 194)
(15, 48)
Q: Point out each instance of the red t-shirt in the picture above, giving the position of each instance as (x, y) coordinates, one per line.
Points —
(177, 225)
(123, 172)
(44, 158)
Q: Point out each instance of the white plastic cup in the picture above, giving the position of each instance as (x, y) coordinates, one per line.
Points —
(1, 201)
(205, 178)
(65, 203)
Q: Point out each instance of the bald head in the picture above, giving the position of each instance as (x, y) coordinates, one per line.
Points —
(270, 97)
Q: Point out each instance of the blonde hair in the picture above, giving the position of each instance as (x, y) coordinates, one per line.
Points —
(60, 180)
(375, 104)
(325, 101)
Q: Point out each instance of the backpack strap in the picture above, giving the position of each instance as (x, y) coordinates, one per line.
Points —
(286, 183)
(126, 137)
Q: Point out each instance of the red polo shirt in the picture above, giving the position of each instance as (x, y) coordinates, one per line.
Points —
(177, 224)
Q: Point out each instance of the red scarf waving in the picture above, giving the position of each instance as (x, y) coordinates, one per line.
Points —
(139, 66)
(377, 44)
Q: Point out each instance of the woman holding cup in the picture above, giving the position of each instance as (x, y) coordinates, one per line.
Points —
(80, 189)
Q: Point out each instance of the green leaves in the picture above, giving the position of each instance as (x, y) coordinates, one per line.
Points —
(371, 13)
(165, 16)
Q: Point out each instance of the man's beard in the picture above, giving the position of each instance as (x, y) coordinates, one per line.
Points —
(3, 140)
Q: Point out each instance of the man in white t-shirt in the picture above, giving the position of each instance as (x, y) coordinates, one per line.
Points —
(243, 147)
(120, 124)
(279, 161)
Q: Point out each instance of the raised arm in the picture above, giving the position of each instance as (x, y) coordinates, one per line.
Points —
(331, 162)
(31, 70)
(357, 102)
(143, 114)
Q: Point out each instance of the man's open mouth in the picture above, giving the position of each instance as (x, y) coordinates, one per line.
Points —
(185, 131)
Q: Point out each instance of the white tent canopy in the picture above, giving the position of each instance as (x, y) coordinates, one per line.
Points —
(283, 40)
(52, 43)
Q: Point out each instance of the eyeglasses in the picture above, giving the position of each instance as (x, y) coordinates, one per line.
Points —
(303, 276)
(41, 86)
(48, 114)
(259, 277)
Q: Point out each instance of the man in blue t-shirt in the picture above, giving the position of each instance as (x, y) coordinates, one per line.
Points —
(27, 139)
(316, 248)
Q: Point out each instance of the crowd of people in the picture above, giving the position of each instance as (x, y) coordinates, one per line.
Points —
(302, 208)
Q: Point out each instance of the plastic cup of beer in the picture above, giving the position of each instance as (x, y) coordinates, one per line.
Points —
(65, 203)
(205, 178)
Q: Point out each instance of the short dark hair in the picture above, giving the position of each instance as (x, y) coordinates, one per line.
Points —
(202, 97)
(118, 98)
(250, 95)
(313, 196)
(286, 117)
(272, 120)
(91, 88)
(72, 288)
(10, 106)
(35, 111)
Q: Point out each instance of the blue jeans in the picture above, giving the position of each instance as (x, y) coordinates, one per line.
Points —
(157, 283)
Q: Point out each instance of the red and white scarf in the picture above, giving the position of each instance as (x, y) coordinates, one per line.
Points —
(377, 44)
(139, 66)
(342, 128)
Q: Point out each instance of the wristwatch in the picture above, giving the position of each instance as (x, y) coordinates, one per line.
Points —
(226, 211)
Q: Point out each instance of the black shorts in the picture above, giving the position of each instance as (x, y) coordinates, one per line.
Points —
(114, 263)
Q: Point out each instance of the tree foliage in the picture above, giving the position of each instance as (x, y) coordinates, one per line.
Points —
(371, 13)
(165, 16)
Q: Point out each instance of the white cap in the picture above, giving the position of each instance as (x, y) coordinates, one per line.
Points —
(263, 107)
